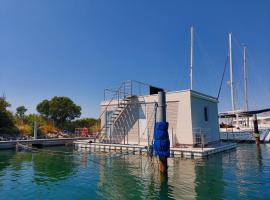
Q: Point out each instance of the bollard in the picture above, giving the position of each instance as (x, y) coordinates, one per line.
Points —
(161, 136)
(256, 130)
(35, 130)
(172, 138)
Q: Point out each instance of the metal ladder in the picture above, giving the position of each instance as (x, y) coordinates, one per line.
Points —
(109, 124)
(123, 96)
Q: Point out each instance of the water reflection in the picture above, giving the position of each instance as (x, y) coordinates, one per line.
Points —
(240, 174)
(259, 157)
(5, 157)
(52, 166)
(209, 178)
(217, 177)
(135, 177)
(48, 165)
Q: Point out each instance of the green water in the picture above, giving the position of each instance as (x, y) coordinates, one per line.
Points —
(63, 173)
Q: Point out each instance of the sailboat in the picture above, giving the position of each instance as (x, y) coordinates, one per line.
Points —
(239, 124)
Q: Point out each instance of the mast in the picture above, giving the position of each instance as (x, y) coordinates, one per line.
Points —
(231, 73)
(191, 56)
(245, 77)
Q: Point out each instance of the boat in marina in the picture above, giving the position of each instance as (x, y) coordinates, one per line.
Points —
(239, 125)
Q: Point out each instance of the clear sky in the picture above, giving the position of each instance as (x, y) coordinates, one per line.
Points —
(76, 48)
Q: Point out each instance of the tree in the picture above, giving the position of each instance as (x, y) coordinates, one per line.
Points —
(4, 104)
(59, 109)
(6, 118)
(90, 123)
(63, 109)
(44, 108)
(20, 111)
(85, 122)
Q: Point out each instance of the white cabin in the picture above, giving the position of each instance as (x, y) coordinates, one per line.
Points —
(192, 117)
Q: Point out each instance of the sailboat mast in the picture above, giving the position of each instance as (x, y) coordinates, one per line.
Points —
(231, 73)
(191, 56)
(245, 77)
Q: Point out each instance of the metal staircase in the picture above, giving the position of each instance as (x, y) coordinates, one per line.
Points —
(121, 99)
(109, 124)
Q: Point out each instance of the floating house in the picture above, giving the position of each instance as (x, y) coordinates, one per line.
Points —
(128, 117)
(129, 114)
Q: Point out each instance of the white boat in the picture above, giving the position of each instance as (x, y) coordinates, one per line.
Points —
(238, 124)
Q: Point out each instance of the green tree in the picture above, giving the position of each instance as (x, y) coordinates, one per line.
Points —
(20, 111)
(6, 118)
(90, 123)
(44, 108)
(59, 109)
(4, 104)
(85, 122)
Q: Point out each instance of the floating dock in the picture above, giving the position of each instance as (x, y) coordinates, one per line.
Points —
(245, 136)
(187, 152)
(39, 142)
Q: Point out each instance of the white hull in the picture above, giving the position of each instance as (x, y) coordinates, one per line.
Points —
(244, 134)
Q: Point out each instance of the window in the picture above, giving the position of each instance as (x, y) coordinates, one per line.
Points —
(205, 114)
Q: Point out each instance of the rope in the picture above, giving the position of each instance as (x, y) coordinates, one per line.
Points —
(223, 74)
(67, 153)
(149, 167)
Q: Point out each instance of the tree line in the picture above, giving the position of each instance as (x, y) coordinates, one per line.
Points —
(54, 115)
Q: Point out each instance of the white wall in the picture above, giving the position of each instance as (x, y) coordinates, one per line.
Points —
(210, 127)
(185, 112)
(184, 120)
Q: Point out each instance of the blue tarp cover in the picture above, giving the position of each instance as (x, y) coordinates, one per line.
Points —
(161, 140)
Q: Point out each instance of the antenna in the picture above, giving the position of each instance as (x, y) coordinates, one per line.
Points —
(191, 56)
(231, 73)
(4, 95)
(245, 77)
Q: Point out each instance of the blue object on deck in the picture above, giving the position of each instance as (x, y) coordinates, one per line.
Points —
(161, 140)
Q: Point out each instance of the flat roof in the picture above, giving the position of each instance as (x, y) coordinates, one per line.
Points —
(193, 93)
(243, 113)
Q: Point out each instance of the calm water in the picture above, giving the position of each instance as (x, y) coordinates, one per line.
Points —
(62, 173)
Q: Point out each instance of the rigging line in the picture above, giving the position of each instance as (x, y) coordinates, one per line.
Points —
(94, 160)
(222, 78)
(255, 78)
(74, 153)
(203, 53)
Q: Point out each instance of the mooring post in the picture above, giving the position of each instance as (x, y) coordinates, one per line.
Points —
(161, 136)
(256, 130)
(148, 141)
(124, 135)
(161, 109)
(172, 137)
(110, 134)
(35, 130)
(126, 132)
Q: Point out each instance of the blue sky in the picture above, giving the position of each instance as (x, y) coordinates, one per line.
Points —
(78, 48)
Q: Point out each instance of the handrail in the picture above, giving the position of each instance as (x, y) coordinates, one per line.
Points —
(147, 84)
(105, 109)
(132, 83)
(110, 101)
(116, 92)
(117, 95)
(142, 83)
(152, 115)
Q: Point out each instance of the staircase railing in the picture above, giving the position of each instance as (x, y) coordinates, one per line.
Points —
(116, 94)
(127, 89)
(109, 123)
